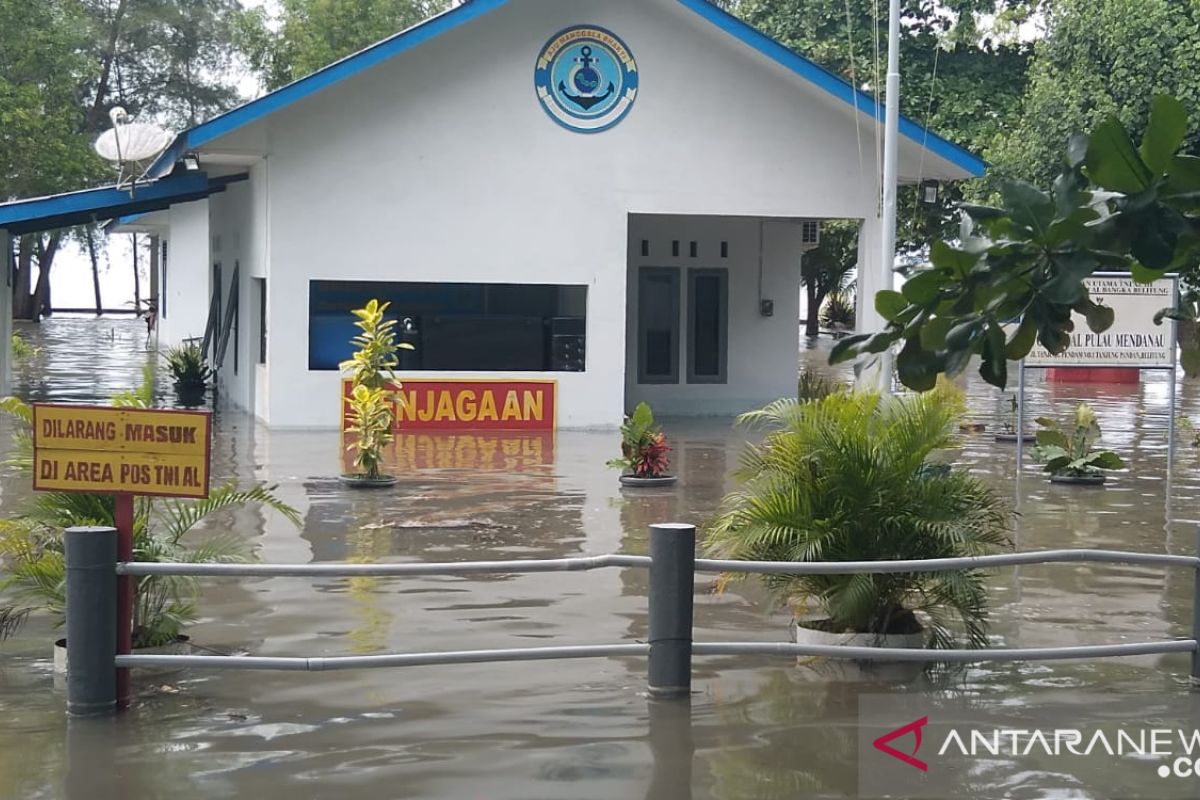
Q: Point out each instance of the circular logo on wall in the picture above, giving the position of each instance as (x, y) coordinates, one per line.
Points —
(586, 79)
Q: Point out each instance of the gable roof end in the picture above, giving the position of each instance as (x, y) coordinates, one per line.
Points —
(473, 9)
(323, 78)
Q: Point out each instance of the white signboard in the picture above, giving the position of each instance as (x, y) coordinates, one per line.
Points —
(1133, 340)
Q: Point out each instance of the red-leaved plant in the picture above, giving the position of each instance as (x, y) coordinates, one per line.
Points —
(644, 448)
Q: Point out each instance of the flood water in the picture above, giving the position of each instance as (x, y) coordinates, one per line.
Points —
(756, 727)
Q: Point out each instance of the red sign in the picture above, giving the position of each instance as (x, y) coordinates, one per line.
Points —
(471, 405)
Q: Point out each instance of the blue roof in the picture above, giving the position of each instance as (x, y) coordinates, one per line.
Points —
(93, 205)
(836, 86)
(469, 11)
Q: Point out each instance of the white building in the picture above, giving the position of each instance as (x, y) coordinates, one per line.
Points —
(612, 195)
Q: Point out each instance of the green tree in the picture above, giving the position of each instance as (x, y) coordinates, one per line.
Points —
(962, 78)
(43, 148)
(826, 269)
(167, 60)
(307, 35)
(1113, 205)
(1101, 59)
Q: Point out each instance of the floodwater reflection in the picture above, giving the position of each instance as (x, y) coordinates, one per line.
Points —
(755, 728)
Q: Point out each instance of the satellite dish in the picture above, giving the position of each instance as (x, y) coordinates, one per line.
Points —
(134, 141)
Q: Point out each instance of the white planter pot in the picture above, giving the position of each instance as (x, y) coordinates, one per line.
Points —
(848, 669)
(181, 647)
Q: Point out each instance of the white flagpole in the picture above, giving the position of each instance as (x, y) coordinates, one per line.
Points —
(890, 175)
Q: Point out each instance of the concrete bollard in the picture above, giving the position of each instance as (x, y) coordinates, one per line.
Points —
(91, 562)
(672, 586)
(1195, 678)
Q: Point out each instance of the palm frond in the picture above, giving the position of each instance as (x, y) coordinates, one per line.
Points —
(182, 515)
(848, 478)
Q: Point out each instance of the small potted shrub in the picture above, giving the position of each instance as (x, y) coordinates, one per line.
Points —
(1008, 426)
(1068, 456)
(849, 478)
(190, 373)
(645, 454)
(373, 396)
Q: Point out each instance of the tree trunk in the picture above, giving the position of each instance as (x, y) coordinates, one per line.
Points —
(22, 299)
(106, 67)
(91, 242)
(812, 325)
(137, 280)
(42, 306)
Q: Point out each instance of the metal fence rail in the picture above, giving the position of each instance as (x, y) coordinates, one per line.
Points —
(585, 563)
(93, 570)
(939, 564)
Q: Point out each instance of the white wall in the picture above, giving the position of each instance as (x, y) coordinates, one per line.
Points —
(238, 238)
(763, 352)
(185, 291)
(441, 165)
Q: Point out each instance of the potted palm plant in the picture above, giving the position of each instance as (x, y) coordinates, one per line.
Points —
(849, 478)
(190, 373)
(645, 454)
(373, 394)
(31, 547)
(1068, 456)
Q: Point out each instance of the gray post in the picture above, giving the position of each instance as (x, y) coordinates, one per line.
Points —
(672, 585)
(91, 560)
(1196, 617)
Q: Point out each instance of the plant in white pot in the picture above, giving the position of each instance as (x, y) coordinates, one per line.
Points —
(849, 478)
(1069, 456)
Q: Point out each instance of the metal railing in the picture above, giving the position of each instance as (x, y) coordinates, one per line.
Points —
(93, 573)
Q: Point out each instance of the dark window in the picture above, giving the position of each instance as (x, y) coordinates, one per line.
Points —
(260, 289)
(675, 248)
(694, 249)
(645, 247)
(724, 249)
(708, 310)
(460, 327)
(658, 325)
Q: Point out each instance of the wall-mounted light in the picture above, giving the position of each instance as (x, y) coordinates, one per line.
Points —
(927, 192)
(191, 162)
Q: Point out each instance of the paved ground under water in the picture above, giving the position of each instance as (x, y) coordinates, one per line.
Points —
(756, 727)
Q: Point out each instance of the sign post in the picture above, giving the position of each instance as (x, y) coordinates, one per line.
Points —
(124, 452)
(1134, 341)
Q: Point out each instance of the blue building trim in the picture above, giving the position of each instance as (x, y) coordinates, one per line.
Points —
(322, 79)
(94, 205)
(831, 83)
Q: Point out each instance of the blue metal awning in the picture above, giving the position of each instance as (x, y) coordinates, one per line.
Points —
(108, 202)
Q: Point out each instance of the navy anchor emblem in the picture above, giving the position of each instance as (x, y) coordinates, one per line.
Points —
(586, 78)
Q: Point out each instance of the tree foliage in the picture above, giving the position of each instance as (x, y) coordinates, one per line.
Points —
(307, 35)
(1101, 59)
(1113, 206)
(963, 79)
(828, 268)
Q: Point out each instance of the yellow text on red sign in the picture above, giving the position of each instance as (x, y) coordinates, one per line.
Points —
(466, 405)
(104, 450)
